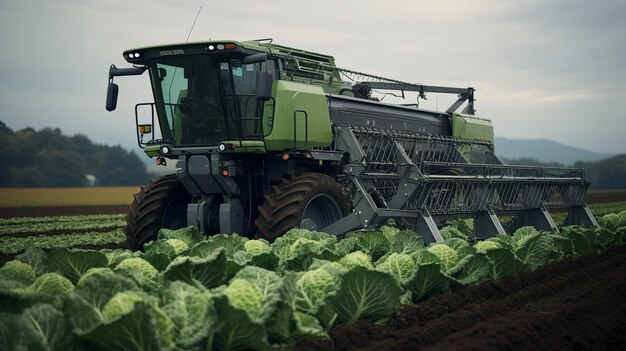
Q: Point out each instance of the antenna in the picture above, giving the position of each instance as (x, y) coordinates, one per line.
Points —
(193, 24)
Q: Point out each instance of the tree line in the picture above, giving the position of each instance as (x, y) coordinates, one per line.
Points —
(47, 158)
(609, 173)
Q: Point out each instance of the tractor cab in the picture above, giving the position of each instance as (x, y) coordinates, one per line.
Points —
(205, 93)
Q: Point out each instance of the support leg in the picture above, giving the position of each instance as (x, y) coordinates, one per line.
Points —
(427, 228)
(580, 215)
(487, 225)
(537, 217)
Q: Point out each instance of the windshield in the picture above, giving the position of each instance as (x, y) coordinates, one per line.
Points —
(201, 101)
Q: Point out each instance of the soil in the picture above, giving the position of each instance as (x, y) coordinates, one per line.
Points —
(601, 196)
(577, 304)
(7, 212)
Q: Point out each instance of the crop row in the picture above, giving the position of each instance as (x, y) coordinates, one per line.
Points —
(12, 245)
(226, 292)
(43, 227)
(605, 208)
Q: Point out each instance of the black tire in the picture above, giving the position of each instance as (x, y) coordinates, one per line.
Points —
(160, 204)
(287, 203)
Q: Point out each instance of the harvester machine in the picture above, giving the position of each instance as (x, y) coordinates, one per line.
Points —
(267, 137)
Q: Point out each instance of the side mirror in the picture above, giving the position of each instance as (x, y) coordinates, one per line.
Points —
(112, 91)
(263, 85)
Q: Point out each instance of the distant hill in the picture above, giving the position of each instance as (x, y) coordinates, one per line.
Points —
(48, 158)
(545, 151)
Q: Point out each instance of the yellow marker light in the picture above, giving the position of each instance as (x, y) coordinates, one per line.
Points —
(285, 157)
(145, 128)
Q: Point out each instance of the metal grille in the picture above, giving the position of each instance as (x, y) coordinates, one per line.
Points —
(380, 148)
(449, 184)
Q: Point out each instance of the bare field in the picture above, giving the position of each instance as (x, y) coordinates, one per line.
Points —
(52, 197)
(599, 196)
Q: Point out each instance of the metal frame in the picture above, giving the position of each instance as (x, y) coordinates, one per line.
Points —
(420, 178)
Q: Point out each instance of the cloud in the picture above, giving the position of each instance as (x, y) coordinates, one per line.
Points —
(550, 68)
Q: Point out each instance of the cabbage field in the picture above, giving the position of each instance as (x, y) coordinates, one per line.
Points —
(307, 290)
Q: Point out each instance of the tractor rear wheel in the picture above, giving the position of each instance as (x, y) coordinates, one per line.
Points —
(160, 204)
(311, 201)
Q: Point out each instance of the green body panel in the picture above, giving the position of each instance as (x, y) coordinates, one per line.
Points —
(251, 146)
(304, 104)
(471, 127)
(152, 150)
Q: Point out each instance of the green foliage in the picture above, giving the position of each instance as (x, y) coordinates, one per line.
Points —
(245, 296)
(450, 232)
(207, 272)
(364, 294)
(138, 265)
(11, 245)
(190, 235)
(427, 281)
(192, 312)
(47, 158)
(400, 266)
(120, 304)
(73, 263)
(141, 271)
(186, 292)
(613, 221)
(486, 245)
(374, 244)
(445, 254)
(405, 242)
(297, 248)
(503, 263)
(19, 272)
(257, 247)
(52, 285)
(312, 289)
(356, 259)
(40, 327)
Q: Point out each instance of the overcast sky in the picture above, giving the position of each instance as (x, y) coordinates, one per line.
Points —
(550, 69)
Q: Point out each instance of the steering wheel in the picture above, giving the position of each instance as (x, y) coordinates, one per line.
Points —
(190, 105)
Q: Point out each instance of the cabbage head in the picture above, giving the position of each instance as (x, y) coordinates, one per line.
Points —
(178, 245)
(523, 234)
(244, 295)
(52, 284)
(613, 221)
(356, 259)
(401, 266)
(138, 264)
(445, 254)
(256, 247)
(18, 271)
(312, 288)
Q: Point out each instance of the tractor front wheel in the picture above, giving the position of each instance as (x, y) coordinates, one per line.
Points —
(160, 204)
(311, 201)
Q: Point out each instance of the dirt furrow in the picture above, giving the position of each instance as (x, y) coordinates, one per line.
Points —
(438, 319)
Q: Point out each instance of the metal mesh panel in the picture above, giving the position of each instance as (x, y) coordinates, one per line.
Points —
(451, 185)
